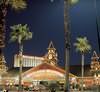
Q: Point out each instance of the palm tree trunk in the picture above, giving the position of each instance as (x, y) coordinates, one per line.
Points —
(82, 82)
(20, 70)
(67, 44)
(3, 11)
(67, 71)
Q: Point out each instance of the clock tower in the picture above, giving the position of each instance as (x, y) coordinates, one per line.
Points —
(95, 65)
(3, 68)
(51, 56)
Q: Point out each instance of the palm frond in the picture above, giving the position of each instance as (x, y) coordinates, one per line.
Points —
(73, 2)
(21, 32)
(13, 38)
(29, 36)
(82, 45)
(18, 4)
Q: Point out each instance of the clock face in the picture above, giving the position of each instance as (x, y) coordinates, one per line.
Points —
(50, 56)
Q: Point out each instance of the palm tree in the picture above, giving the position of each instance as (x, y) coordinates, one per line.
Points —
(20, 33)
(82, 45)
(67, 4)
(17, 5)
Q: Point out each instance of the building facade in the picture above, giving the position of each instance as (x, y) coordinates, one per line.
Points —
(28, 61)
(33, 61)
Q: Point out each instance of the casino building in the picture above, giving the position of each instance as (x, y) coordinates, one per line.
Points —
(45, 68)
(36, 69)
(28, 61)
(33, 61)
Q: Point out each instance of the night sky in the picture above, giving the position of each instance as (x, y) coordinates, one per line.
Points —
(83, 23)
(46, 20)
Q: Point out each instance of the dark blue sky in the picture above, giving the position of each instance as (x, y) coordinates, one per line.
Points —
(83, 23)
(46, 21)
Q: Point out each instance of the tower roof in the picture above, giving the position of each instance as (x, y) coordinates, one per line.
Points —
(94, 55)
(51, 46)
